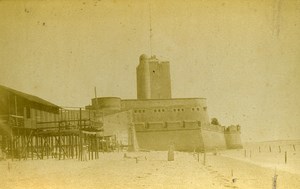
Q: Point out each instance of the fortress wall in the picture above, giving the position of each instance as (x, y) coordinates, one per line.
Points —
(118, 124)
(213, 137)
(174, 124)
(184, 140)
(167, 110)
(186, 135)
(136, 104)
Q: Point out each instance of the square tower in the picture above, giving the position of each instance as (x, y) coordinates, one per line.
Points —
(153, 78)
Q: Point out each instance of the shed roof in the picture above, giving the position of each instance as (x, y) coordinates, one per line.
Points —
(29, 97)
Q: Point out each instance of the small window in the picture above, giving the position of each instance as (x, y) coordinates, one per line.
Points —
(193, 109)
(178, 110)
(143, 111)
(198, 109)
(204, 108)
(146, 126)
(182, 109)
(174, 110)
(158, 110)
(140, 111)
(135, 111)
(154, 110)
(162, 110)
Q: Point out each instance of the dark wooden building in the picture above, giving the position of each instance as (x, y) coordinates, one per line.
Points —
(18, 109)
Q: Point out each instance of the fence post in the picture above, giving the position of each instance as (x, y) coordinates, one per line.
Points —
(171, 153)
(285, 157)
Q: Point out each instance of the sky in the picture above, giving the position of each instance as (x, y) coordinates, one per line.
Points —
(243, 56)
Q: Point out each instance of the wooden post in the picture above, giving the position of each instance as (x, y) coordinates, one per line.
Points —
(204, 158)
(285, 157)
(259, 149)
(198, 156)
(279, 149)
(274, 181)
(171, 153)
(270, 148)
(294, 147)
(31, 146)
(37, 147)
(59, 142)
(18, 144)
(12, 146)
(97, 147)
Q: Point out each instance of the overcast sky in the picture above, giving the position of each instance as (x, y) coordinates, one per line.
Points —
(243, 56)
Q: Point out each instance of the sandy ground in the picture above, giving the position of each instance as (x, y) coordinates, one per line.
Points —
(152, 170)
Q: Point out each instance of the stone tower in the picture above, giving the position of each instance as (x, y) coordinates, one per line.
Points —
(153, 78)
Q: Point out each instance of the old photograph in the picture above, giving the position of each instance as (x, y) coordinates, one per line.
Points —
(149, 94)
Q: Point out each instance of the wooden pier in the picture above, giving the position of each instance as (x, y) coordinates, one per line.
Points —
(68, 139)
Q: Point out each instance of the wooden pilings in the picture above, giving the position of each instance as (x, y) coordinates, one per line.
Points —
(27, 143)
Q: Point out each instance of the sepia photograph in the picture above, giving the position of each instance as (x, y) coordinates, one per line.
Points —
(134, 94)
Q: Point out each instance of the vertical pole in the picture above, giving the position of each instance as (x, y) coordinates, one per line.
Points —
(76, 146)
(274, 181)
(204, 158)
(16, 107)
(31, 146)
(12, 145)
(285, 157)
(59, 142)
(80, 136)
(43, 146)
(64, 146)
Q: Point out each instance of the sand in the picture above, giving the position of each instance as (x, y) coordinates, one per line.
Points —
(152, 170)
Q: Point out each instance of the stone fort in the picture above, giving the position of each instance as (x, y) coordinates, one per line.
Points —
(155, 120)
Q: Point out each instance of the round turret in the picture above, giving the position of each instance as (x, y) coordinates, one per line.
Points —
(107, 103)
